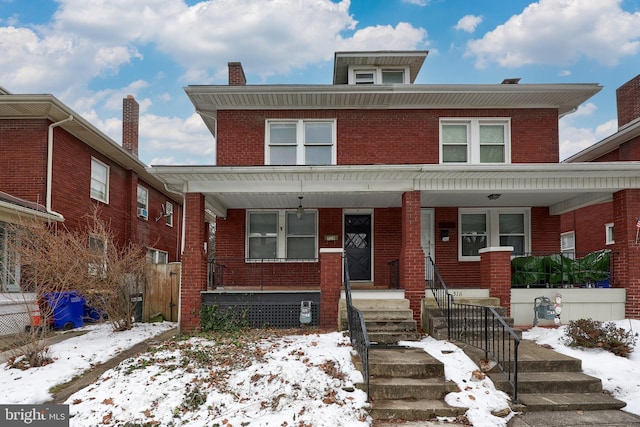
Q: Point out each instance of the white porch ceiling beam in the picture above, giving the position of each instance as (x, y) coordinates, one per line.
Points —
(300, 187)
(216, 207)
(580, 202)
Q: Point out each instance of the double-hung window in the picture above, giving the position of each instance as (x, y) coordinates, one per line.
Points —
(568, 244)
(281, 235)
(475, 141)
(300, 142)
(481, 228)
(9, 265)
(143, 202)
(168, 214)
(99, 181)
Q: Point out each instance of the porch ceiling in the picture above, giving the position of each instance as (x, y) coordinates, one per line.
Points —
(561, 187)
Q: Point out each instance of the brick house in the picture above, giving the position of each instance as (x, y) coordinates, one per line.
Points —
(58, 166)
(387, 172)
(600, 226)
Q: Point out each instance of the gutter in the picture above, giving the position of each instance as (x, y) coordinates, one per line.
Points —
(50, 162)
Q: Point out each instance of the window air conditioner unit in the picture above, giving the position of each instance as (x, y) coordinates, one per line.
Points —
(142, 212)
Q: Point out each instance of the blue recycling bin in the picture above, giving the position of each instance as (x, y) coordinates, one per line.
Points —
(67, 309)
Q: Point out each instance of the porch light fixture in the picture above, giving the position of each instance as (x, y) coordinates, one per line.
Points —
(494, 196)
(300, 210)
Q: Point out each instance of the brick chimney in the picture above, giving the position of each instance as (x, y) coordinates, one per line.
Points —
(628, 101)
(236, 74)
(130, 118)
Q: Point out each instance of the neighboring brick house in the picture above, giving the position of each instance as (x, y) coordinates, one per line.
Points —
(605, 225)
(57, 165)
(387, 171)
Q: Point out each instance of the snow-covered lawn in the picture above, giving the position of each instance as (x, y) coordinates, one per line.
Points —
(264, 378)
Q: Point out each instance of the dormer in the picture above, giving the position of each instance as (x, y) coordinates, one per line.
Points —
(379, 67)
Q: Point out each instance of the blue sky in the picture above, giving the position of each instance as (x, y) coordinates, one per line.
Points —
(91, 54)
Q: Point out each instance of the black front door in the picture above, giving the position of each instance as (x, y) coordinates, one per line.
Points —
(357, 246)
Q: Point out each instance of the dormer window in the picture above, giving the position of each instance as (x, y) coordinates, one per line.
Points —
(378, 75)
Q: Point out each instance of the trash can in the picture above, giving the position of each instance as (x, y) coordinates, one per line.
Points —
(136, 299)
(67, 309)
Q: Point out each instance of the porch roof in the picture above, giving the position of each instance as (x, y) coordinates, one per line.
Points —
(560, 186)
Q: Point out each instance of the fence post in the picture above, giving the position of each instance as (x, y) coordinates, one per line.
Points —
(330, 286)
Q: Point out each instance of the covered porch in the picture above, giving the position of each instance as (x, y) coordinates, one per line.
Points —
(413, 211)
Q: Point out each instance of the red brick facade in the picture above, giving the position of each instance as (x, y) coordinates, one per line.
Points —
(626, 214)
(331, 284)
(385, 136)
(411, 254)
(194, 263)
(495, 274)
(23, 173)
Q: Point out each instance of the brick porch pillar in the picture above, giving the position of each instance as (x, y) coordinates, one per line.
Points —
(412, 254)
(194, 263)
(495, 273)
(330, 286)
(626, 257)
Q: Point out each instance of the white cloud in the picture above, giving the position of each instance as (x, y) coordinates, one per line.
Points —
(574, 139)
(417, 2)
(166, 136)
(560, 32)
(468, 23)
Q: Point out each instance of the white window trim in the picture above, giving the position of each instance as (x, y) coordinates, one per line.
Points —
(493, 227)
(281, 245)
(155, 254)
(169, 214)
(300, 159)
(106, 184)
(609, 230)
(377, 73)
(146, 203)
(568, 248)
(473, 137)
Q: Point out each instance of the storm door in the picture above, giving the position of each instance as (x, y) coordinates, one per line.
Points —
(357, 245)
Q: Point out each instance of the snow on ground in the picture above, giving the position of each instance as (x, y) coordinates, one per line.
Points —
(72, 357)
(477, 391)
(265, 378)
(619, 375)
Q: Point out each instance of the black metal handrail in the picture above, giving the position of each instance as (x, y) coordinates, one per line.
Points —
(498, 340)
(357, 328)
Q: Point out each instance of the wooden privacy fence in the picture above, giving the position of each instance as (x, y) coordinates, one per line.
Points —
(161, 292)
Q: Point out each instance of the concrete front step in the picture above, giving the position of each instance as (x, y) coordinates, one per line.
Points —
(457, 311)
(532, 358)
(404, 363)
(550, 382)
(386, 388)
(376, 304)
(569, 402)
(382, 314)
(413, 410)
(408, 325)
(473, 334)
(473, 322)
(384, 337)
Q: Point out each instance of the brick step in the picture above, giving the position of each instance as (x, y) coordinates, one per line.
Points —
(404, 363)
(412, 410)
(544, 383)
(569, 402)
(386, 388)
(390, 337)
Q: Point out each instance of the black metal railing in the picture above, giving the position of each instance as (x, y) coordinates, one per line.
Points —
(478, 326)
(258, 273)
(357, 329)
(560, 270)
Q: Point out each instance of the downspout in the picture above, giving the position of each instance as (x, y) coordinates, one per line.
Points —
(50, 160)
